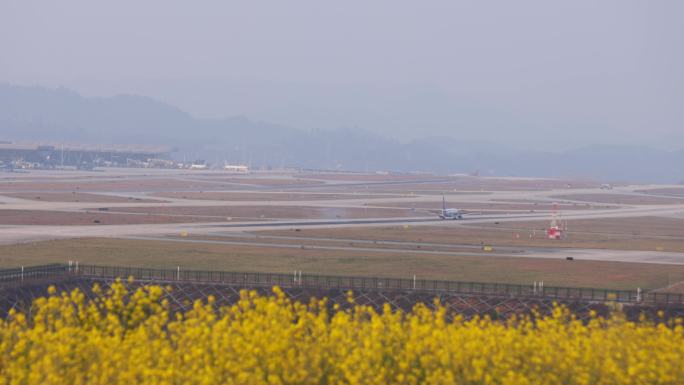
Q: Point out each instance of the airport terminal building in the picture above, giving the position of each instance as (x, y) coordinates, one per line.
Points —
(14, 155)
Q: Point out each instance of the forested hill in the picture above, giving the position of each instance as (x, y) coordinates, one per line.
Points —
(60, 115)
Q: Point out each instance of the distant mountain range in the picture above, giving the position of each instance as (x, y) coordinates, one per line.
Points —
(59, 115)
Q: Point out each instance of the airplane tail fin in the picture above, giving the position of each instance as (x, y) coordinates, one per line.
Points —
(443, 204)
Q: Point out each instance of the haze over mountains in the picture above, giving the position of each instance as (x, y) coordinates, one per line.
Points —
(60, 115)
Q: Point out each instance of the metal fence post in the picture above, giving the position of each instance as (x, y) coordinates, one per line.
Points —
(22, 274)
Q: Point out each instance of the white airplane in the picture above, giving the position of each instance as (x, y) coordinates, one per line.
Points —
(450, 213)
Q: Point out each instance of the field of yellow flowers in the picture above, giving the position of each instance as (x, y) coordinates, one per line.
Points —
(133, 338)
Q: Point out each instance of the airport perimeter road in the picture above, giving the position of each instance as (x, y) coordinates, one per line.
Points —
(668, 258)
(24, 233)
(15, 234)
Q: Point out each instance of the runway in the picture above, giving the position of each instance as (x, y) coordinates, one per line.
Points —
(344, 195)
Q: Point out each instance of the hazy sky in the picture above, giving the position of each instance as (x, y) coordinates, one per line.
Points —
(530, 73)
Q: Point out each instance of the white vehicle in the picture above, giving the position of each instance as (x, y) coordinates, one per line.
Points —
(236, 169)
(450, 213)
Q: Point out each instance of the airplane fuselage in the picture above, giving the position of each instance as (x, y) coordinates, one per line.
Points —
(451, 214)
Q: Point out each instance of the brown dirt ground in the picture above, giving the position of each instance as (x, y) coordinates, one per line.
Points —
(333, 243)
(621, 199)
(473, 206)
(76, 197)
(351, 177)
(676, 288)
(454, 182)
(667, 191)
(472, 184)
(263, 181)
(632, 234)
(142, 183)
(68, 218)
(560, 205)
(638, 226)
(298, 212)
(266, 196)
(611, 275)
(132, 184)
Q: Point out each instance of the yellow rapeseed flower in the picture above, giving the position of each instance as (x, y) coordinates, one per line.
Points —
(123, 337)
